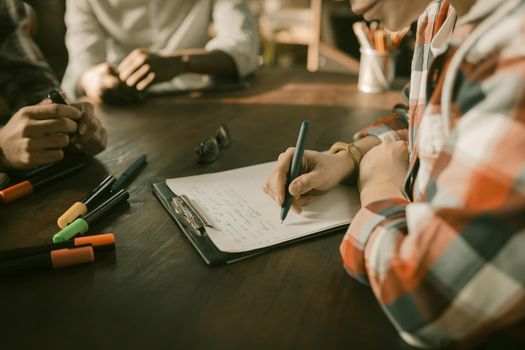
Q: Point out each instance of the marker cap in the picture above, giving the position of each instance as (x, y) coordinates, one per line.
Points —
(74, 256)
(15, 192)
(105, 239)
(76, 210)
(77, 227)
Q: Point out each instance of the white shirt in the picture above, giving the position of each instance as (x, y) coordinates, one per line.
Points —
(108, 30)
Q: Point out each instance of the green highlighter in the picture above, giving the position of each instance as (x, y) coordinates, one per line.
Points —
(81, 225)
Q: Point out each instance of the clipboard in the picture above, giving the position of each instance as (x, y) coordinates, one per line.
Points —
(202, 243)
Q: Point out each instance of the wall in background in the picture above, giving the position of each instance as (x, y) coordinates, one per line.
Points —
(336, 30)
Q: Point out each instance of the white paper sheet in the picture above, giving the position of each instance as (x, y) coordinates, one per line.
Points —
(245, 218)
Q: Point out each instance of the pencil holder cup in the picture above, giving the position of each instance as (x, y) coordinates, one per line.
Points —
(377, 70)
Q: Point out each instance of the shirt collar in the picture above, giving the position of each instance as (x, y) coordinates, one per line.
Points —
(439, 43)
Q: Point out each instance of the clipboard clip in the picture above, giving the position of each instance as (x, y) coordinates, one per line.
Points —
(187, 211)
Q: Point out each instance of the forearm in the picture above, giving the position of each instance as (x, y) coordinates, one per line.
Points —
(379, 191)
(367, 143)
(391, 127)
(349, 161)
(215, 62)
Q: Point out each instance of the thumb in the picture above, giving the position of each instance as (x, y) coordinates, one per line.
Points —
(305, 183)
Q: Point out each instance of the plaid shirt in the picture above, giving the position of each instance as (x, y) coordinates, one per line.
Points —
(447, 262)
(25, 77)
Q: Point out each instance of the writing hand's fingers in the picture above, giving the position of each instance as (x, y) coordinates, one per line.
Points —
(144, 83)
(53, 110)
(305, 183)
(138, 75)
(299, 203)
(276, 184)
(284, 160)
(40, 128)
(274, 187)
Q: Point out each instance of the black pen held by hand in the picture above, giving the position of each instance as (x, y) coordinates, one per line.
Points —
(295, 168)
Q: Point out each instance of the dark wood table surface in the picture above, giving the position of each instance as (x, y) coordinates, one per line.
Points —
(155, 291)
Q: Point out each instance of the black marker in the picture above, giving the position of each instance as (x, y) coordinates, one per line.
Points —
(105, 241)
(52, 259)
(87, 203)
(131, 171)
(24, 188)
(81, 225)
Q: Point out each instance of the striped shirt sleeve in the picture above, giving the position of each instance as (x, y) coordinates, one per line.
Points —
(449, 268)
(387, 128)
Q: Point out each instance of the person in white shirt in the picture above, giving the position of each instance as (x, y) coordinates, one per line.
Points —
(119, 47)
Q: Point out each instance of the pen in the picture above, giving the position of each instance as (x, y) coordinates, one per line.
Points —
(87, 203)
(295, 167)
(26, 187)
(81, 225)
(131, 171)
(55, 97)
(53, 259)
(104, 241)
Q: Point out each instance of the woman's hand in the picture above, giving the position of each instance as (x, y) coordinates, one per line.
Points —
(382, 172)
(319, 173)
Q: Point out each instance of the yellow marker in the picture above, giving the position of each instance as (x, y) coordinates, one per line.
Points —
(88, 202)
(76, 210)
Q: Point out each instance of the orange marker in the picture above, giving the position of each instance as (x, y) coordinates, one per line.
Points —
(105, 241)
(27, 187)
(53, 259)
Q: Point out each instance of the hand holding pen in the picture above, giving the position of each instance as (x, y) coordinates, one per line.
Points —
(91, 137)
(319, 172)
(295, 168)
(36, 135)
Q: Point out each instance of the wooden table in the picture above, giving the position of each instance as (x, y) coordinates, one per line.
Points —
(155, 291)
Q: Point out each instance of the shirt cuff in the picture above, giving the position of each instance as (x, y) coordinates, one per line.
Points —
(364, 224)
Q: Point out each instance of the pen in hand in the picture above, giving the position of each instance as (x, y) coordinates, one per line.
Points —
(295, 168)
(56, 97)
